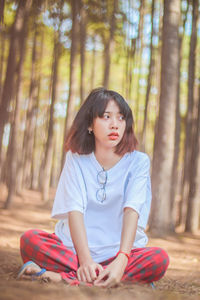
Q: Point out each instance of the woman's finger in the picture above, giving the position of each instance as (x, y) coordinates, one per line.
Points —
(100, 268)
(107, 282)
(87, 274)
(92, 270)
(102, 275)
(82, 276)
(78, 275)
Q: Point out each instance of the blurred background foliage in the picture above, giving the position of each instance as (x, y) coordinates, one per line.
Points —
(53, 53)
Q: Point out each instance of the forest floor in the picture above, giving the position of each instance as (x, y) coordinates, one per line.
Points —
(182, 280)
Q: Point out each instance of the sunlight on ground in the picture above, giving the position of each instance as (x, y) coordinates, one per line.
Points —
(182, 277)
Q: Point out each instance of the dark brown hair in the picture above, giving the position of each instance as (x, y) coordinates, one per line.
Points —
(79, 140)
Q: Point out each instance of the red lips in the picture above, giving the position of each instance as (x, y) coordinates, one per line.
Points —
(113, 135)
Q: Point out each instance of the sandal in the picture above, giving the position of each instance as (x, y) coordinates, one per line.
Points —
(32, 276)
(152, 285)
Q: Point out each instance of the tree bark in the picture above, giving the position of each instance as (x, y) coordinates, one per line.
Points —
(160, 220)
(189, 117)
(36, 159)
(2, 43)
(2, 5)
(139, 49)
(175, 186)
(158, 62)
(109, 46)
(130, 55)
(193, 211)
(192, 135)
(49, 145)
(8, 88)
(54, 166)
(83, 24)
(24, 171)
(151, 65)
(13, 158)
(130, 67)
(93, 65)
(73, 64)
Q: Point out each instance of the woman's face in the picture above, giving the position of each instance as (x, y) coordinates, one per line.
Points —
(109, 129)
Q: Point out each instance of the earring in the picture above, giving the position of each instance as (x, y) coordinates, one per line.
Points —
(89, 131)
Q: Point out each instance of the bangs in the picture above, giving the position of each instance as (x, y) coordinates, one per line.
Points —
(101, 101)
(79, 140)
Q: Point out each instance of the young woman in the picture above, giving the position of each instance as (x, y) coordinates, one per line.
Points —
(102, 204)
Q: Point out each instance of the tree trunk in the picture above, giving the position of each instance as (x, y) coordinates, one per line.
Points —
(73, 64)
(36, 159)
(160, 220)
(93, 64)
(24, 172)
(2, 5)
(49, 145)
(83, 23)
(193, 212)
(158, 62)
(13, 158)
(130, 64)
(54, 166)
(9, 82)
(189, 117)
(175, 187)
(130, 50)
(151, 65)
(174, 178)
(193, 151)
(2, 43)
(109, 46)
(139, 48)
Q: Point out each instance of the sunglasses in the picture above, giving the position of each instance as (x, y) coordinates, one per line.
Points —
(102, 180)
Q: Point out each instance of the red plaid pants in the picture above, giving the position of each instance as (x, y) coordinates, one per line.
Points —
(145, 265)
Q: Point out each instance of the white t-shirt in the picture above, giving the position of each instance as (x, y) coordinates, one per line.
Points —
(128, 185)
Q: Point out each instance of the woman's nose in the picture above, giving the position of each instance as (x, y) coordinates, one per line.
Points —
(114, 123)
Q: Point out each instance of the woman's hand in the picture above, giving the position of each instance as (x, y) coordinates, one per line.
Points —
(89, 271)
(112, 275)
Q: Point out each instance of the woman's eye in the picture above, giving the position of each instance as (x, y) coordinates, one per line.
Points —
(121, 118)
(106, 116)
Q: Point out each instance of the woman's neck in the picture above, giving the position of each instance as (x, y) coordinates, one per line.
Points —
(107, 158)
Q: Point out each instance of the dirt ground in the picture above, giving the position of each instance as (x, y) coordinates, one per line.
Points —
(182, 280)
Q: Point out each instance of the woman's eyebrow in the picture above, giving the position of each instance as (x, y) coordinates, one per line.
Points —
(110, 112)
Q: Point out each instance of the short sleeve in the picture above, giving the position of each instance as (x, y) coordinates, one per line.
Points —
(71, 192)
(138, 190)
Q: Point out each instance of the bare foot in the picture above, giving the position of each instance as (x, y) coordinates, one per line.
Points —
(30, 270)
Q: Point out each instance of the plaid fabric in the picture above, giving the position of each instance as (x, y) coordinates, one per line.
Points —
(47, 250)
